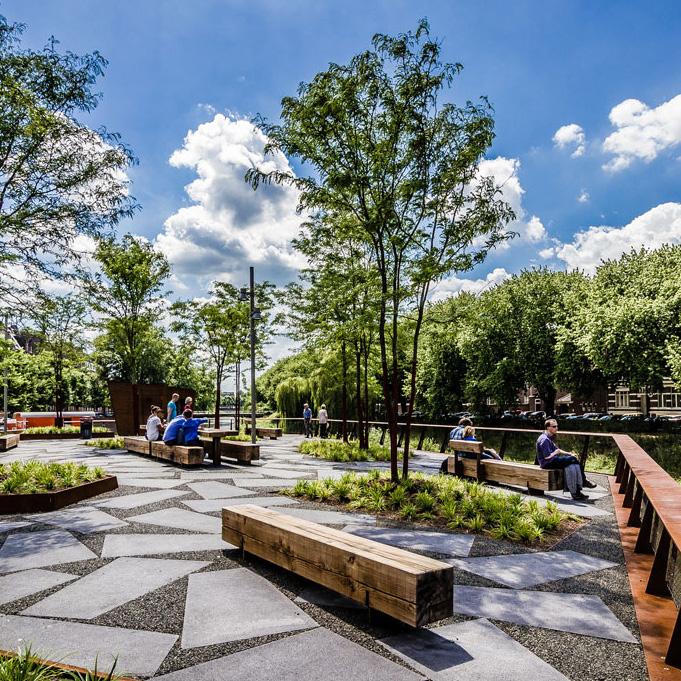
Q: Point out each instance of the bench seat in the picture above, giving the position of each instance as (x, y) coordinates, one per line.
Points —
(526, 475)
(187, 456)
(8, 441)
(137, 444)
(244, 452)
(408, 587)
(271, 433)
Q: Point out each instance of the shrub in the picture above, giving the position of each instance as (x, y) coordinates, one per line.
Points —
(106, 443)
(34, 476)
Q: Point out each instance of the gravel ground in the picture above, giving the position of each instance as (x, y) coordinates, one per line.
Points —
(580, 658)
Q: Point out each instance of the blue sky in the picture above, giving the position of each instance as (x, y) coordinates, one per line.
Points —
(176, 65)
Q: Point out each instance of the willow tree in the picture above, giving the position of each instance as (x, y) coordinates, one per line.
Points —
(384, 145)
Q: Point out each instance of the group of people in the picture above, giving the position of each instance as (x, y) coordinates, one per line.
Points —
(322, 417)
(549, 455)
(175, 430)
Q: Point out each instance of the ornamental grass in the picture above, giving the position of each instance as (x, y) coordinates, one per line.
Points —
(35, 477)
(443, 501)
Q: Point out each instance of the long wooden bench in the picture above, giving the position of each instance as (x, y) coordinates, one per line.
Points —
(8, 441)
(408, 587)
(536, 479)
(260, 431)
(243, 452)
(186, 456)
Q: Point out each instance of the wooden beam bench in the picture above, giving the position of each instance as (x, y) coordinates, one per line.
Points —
(408, 587)
(243, 452)
(9, 441)
(260, 431)
(534, 478)
(139, 445)
(187, 456)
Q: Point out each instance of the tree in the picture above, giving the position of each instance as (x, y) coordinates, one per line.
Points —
(386, 150)
(128, 296)
(60, 321)
(58, 178)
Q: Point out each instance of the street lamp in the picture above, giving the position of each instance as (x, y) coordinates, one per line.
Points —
(244, 295)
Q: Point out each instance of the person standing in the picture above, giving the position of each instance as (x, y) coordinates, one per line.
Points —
(323, 418)
(550, 456)
(188, 403)
(172, 408)
(307, 420)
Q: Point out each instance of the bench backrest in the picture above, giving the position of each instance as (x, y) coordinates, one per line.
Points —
(466, 446)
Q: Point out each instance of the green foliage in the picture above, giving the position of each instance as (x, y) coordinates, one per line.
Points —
(32, 477)
(56, 430)
(25, 666)
(336, 450)
(290, 395)
(442, 501)
(106, 443)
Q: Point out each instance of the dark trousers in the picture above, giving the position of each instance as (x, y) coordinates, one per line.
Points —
(308, 427)
(564, 460)
(322, 429)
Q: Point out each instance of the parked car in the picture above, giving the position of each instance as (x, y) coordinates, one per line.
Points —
(537, 415)
(609, 417)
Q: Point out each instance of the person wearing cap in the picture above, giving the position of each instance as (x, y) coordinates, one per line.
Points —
(307, 419)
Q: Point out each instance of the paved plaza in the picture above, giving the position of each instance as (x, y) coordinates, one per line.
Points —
(142, 574)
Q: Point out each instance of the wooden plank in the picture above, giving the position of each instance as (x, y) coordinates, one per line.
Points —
(187, 456)
(138, 444)
(241, 451)
(466, 446)
(272, 433)
(511, 473)
(8, 441)
(411, 588)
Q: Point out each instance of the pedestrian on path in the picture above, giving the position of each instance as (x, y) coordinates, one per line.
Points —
(307, 420)
(323, 418)
(172, 408)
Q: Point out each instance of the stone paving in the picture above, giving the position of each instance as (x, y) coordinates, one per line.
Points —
(141, 574)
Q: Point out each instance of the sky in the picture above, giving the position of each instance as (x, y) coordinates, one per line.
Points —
(587, 101)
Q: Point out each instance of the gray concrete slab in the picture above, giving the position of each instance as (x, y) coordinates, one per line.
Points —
(472, 651)
(142, 499)
(217, 474)
(154, 483)
(154, 544)
(21, 584)
(212, 505)
(577, 613)
(26, 550)
(181, 519)
(123, 580)
(565, 504)
(284, 473)
(257, 483)
(212, 489)
(11, 525)
(329, 517)
(137, 653)
(445, 543)
(318, 595)
(79, 519)
(523, 570)
(249, 606)
(308, 656)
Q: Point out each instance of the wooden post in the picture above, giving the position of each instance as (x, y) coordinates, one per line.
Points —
(445, 443)
(502, 447)
(585, 451)
(421, 438)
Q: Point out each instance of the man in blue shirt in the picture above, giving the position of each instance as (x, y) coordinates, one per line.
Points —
(456, 434)
(184, 430)
(172, 408)
(307, 420)
(550, 456)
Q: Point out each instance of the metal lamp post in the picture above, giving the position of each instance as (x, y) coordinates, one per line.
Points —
(254, 316)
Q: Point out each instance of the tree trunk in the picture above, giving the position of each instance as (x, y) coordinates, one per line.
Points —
(237, 395)
(358, 396)
(344, 392)
(218, 384)
(387, 387)
(549, 400)
(365, 433)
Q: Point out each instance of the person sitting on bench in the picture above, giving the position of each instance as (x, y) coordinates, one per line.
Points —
(550, 456)
(154, 424)
(487, 452)
(184, 430)
(455, 434)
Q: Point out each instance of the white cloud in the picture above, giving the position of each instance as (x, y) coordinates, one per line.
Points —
(547, 253)
(642, 132)
(229, 226)
(583, 196)
(450, 287)
(505, 174)
(571, 135)
(660, 225)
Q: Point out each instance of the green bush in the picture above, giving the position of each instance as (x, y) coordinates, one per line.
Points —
(106, 443)
(32, 477)
(54, 430)
(442, 500)
(337, 450)
(24, 666)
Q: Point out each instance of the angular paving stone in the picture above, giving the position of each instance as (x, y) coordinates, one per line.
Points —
(263, 482)
(152, 544)
(143, 499)
(470, 651)
(523, 570)
(328, 517)
(308, 656)
(217, 490)
(249, 606)
(181, 519)
(137, 652)
(284, 473)
(157, 483)
(419, 540)
(216, 474)
(318, 595)
(21, 584)
(577, 613)
(80, 519)
(123, 580)
(212, 505)
(26, 550)
(11, 525)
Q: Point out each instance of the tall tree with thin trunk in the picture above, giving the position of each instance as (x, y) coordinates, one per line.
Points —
(387, 149)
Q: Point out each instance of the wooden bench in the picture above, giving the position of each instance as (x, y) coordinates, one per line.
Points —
(187, 456)
(536, 479)
(271, 433)
(406, 586)
(8, 441)
(244, 452)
